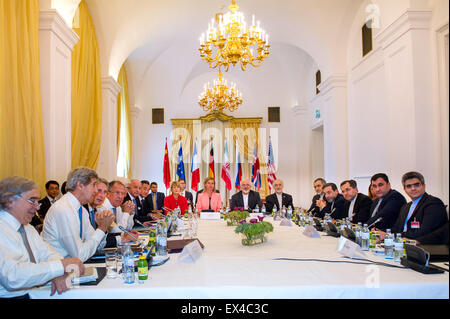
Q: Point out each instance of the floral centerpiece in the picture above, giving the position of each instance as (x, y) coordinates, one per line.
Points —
(254, 231)
(233, 218)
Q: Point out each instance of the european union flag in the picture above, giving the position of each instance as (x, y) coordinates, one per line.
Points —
(180, 165)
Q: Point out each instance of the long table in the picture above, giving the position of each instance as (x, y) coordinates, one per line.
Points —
(228, 269)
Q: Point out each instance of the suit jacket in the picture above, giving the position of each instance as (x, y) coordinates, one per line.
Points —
(361, 209)
(139, 213)
(437, 237)
(272, 200)
(314, 209)
(429, 212)
(148, 202)
(389, 210)
(203, 201)
(199, 192)
(335, 208)
(189, 196)
(237, 200)
(45, 205)
(111, 240)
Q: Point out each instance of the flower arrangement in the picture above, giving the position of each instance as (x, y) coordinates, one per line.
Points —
(253, 231)
(233, 218)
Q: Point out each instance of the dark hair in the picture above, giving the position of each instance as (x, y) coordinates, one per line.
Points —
(145, 182)
(321, 180)
(47, 185)
(379, 175)
(154, 183)
(411, 175)
(112, 183)
(63, 187)
(332, 185)
(351, 182)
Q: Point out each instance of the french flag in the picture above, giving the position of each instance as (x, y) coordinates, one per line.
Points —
(195, 169)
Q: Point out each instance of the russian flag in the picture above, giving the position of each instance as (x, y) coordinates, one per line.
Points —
(237, 184)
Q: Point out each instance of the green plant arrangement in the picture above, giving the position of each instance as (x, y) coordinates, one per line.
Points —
(253, 231)
(233, 218)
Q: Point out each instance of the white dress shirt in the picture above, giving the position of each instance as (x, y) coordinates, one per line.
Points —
(17, 272)
(280, 200)
(122, 219)
(352, 205)
(62, 230)
(245, 197)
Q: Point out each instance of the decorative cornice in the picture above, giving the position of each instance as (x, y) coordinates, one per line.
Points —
(108, 83)
(51, 20)
(334, 81)
(218, 116)
(410, 20)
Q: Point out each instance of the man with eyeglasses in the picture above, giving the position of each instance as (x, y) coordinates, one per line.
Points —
(422, 216)
(26, 260)
(67, 227)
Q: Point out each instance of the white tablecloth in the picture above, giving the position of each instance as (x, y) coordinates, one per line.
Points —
(228, 269)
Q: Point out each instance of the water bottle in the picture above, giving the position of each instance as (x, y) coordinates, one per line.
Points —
(190, 210)
(302, 220)
(398, 248)
(373, 239)
(161, 240)
(388, 245)
(357, 231)
(128, 264)
(365, 238)
(274, 211)
(263, 209)
(289, 212)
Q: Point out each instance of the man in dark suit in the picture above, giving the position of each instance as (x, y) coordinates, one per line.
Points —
(386, 207)
(318, 188)
(246, 198)
(334, 202)
(134, 190)
(184, 192)
(423, 215)
(357, 205)
(278, 199)
(145, 190)
(52, 189)
(154, 202)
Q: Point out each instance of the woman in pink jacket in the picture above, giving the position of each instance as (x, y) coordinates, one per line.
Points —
(209, 199)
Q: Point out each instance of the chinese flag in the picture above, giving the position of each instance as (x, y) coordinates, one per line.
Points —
(166, 168)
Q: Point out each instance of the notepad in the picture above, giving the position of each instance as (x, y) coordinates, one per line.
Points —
(90, 274)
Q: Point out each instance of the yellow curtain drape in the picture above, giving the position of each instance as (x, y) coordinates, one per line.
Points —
(86, 92)
(124, 132)
(22, 150)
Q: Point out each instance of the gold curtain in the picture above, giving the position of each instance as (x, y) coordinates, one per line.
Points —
(86, 92)
(22, 150)
(124, 125)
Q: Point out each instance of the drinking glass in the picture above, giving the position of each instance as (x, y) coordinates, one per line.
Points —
(111, 265)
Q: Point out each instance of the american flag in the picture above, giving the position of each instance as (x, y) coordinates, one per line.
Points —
(271, 166)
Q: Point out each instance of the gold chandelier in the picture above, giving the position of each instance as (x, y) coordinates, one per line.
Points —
(234, 41)
(220, 97)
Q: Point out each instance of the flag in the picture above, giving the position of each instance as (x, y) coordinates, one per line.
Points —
(166, 172)
(226, 168)
(195, 169)
(211, 162)
(237, 183)
(271, 166)
(256, 174)
(180, 165)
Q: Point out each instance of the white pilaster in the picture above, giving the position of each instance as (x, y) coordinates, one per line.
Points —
(56, 42)
(107, 164)
(333, 96)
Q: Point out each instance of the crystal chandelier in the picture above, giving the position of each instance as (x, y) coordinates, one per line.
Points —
(233, 41)
(220, 97)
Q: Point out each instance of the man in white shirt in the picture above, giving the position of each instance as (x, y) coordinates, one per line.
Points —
(67, 227)
(25, 260)
(123, 215)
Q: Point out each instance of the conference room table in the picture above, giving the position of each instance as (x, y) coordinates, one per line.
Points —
(229, 270)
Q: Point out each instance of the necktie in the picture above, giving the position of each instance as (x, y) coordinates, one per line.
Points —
(93, 218)
(114, 211)
(154, 202)
(80, 215)
(376, 207)
(23, 233)
(135, 206)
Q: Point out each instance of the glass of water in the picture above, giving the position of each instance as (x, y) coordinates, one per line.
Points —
(111, 264)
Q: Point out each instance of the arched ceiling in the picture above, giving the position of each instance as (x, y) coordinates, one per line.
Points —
(318, 27)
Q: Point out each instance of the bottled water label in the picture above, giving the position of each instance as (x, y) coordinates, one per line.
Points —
(388, 242)
(398, 246)
(365, 235)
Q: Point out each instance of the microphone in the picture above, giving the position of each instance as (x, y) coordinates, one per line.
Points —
(375, 222)
(132, 236)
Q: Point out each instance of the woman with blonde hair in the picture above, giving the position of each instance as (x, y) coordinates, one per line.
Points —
(175, 200)
(209, 200)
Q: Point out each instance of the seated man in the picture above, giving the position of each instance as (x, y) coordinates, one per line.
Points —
(67, 227)
(423, 215)
(52, 189)
(357, 205)
(334, 203)
(188, 195)
(26, 260)
(386, 208)
(318, 186)
(113, 201)
(145, 189)
(112, 239)
(278, 199)
(246, 198)
(134, 190)
(154, 203)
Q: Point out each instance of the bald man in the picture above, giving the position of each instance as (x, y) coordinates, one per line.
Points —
(246, 198)
(134, 190)
(278, 199)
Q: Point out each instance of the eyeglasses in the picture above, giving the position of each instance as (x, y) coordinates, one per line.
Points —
(33, 202)
(408, 186)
